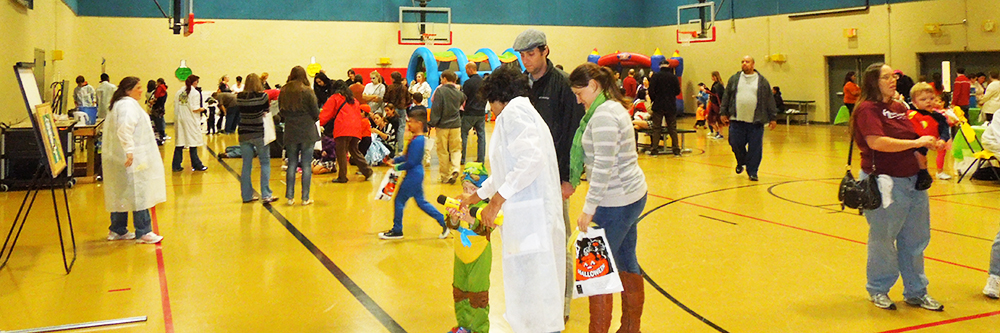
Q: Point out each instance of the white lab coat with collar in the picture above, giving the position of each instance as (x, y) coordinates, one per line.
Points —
(187, 124)
(142, 185)
(525, 172)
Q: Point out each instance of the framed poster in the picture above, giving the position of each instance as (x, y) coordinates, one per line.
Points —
(50, 138)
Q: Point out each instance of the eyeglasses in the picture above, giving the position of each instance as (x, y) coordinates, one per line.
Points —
(887, 77)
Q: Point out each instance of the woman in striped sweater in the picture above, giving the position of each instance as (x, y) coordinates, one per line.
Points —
(605, 144)
(253, 102)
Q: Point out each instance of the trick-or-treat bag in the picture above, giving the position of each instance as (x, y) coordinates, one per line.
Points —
(596, 273)
(388, 186)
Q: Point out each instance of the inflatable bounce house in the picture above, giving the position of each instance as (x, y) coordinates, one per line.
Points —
(619, 61)
(434, 63)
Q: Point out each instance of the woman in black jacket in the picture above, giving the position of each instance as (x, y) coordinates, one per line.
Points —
(299, 107)
(715, 104)
(323, 87)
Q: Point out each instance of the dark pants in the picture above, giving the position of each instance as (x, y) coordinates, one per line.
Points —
(479, 124)
(657, 130)
(347, 144)
(850, 108)
(211, 120)
(747, 141)
(218, 124)
(179, 158)
(159, 126)
(232, 119)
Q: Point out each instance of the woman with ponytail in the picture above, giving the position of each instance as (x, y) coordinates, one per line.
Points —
(605, 144)
(187, 124)
(133, 168)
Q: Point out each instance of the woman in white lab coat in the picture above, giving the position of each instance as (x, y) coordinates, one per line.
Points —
(133, 169)
(525, 184)
(187, 114)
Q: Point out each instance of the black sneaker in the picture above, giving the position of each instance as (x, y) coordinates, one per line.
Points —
(389, 234)
(739, 169)
(753, 178)
(201, 168)
(924, 180)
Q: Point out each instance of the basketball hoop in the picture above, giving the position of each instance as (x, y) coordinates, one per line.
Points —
(427, 39)
(191, 23)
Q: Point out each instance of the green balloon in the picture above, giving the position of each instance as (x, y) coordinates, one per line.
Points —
(182, 73)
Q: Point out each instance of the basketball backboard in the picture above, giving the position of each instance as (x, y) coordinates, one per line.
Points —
(424, 26)
(696, 23)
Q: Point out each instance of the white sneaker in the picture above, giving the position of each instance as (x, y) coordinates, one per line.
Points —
(943, 176)
(112, 236)
(925, 302)
(149, 238)
(291, 202)
(307, 202)
(992, 289)
(710, 134)
(444, 234)
(882, 301)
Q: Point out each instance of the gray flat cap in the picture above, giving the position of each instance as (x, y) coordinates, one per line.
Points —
(529, 39)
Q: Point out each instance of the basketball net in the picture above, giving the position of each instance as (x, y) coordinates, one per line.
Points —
(428, 39)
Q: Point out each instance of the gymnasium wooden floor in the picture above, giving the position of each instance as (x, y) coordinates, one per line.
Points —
(721, 253)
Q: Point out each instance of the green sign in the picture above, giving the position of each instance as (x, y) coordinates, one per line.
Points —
(182, 73)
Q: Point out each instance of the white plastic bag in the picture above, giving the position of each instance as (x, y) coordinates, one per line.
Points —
(595, 269)
(269, 134)
(388, 186)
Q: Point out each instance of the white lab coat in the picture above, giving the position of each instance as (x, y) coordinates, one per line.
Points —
(424, 89)
(142, 185)
(991, 98)
(187, 124)
(525, 172)
(105, 92)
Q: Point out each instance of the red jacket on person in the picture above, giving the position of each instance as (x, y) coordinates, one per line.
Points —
(630, 86)
(349, 121)
(960, 91)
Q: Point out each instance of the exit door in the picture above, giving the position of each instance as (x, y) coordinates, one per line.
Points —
(837, 68)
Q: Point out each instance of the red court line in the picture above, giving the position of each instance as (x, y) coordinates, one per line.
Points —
(966, 204)
(168, 318)
(116, 290)
(812, 231)
(943, 322)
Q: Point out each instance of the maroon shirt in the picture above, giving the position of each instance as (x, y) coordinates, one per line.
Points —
(881, 119)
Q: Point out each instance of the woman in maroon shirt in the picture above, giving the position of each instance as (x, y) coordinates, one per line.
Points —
(899, 231)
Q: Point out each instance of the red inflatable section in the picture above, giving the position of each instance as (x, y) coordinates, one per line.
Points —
(627, 59)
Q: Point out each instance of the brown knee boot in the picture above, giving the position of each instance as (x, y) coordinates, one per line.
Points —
(632, 299)
(600, 313)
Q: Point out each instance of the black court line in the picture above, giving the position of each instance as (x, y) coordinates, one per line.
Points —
(359, 294)
(854, 211)
(720, 220)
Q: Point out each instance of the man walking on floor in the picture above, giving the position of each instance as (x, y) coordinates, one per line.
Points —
(747, 105)
(474, 116)
(447, 121)
(663, 90)
(555, 102)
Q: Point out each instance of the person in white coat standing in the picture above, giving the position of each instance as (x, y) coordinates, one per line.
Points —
(992, 96)
(187, 112)
(133, 169)
(105, 91)
(525, 184)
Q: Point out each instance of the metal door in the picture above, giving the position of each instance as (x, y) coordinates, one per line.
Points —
(837, 69)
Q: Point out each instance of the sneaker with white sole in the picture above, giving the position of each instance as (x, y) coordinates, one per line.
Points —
(149, 238)
(925, 302)
(943, 176)
(389, 234)
(291, 202)
(882, 301)
(307, 202)
(444, 233)
(992, 289)
(113, 236)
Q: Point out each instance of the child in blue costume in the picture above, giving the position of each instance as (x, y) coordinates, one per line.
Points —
(413, 184)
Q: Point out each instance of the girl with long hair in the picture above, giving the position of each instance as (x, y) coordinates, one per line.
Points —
(299, 108)
(253, 102)
(187, 125)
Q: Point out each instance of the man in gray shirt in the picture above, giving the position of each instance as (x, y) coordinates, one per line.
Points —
(447, 121)
(749, 105)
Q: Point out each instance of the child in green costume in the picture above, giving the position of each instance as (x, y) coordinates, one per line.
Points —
(473, 261)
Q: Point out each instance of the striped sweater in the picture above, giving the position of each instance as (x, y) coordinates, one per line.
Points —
(252, 107)
(611, 159)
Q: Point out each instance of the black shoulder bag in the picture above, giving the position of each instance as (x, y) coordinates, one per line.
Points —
(328, 127)
(860, 195)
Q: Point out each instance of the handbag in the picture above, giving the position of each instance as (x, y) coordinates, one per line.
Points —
(328, 127)
(860, 195)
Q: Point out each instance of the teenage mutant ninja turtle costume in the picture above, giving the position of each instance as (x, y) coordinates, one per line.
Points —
(473, 261)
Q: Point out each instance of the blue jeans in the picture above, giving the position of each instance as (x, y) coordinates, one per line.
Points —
(897, 237)
(995, 257)
(747, 141)
(140, 219)
(232, 120)
(413, 189)
(619, 224)
(264, 155)
(295, 152)
(179, 158)
(479, 124)
(400, 131)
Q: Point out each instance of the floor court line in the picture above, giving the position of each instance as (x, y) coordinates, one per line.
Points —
(966, 204)
(359, 294)
(943, 322)
(168, 318)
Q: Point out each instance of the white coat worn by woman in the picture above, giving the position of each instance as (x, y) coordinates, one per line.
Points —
(187, 124)
(136, 185)
(525, 172)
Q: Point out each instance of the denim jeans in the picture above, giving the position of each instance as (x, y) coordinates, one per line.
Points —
(479, 124)
(619, 224)
(179, 158)
(747, 141)
(140, 219)
(897, 237)
(296, 152)
(400, 131)
(232, 119)
(264, 155)
(159, 126)
(995, 257)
